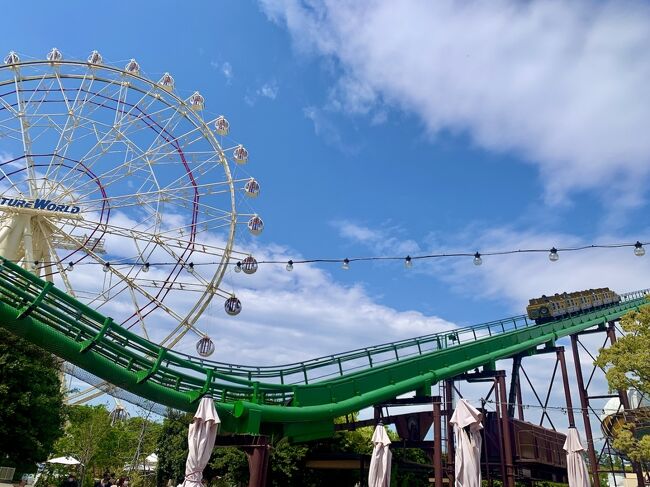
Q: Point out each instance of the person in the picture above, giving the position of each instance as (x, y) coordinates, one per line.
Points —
(70, 481)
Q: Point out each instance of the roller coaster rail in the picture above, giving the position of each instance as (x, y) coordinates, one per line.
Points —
(298, 400)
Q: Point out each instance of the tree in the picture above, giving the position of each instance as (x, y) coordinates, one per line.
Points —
(99, 445)
(627, 365)
(31, 403)
(172, 447)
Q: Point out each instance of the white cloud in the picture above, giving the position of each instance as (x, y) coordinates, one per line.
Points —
(269, 90)
(563, 84)
(303, 314)
(225, 68)
(514, 279)
(382, 241)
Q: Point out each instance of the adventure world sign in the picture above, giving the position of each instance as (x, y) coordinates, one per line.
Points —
(39, 204)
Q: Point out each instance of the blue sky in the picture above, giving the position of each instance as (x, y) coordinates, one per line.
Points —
(377, 129)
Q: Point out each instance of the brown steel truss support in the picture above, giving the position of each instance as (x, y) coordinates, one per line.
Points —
(543, 404)
(451, 457)
(567, 390)
(437, 441)
(500, 380)
(257, 449)
(515, 390)
(605, 457)
(258, 462)
(584, 405)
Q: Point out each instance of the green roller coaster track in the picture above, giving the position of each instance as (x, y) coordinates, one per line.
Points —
(299, 401)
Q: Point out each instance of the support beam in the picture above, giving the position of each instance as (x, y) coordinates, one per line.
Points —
(584, 404)
(437, 441)
(567, 389)
(514, 389)
(505, 423)
(451, 457)
(258, 462)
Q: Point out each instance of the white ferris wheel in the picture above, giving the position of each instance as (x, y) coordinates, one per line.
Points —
(118, 190)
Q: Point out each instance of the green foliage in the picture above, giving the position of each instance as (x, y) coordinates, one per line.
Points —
(31, 403)
(627, 365)
(287, 464)
(637, 449)
(100, 446)
(172, 447)
(227, 467)
(627, 362)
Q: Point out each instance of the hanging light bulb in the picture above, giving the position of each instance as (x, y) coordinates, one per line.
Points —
(553, 256)
(477, 259)
(107, 267)
(145, 267)
(346, 264)
(639, 251)
(35, 264)
(408, 262)
(70, 266)
(289, 266)
(238, 267)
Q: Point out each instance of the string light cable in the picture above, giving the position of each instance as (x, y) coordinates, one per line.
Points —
(249, 262)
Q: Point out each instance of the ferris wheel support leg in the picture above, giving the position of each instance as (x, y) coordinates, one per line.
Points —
(10, 237)
(28, 243)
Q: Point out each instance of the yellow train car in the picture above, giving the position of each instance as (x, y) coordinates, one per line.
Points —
(549, 308)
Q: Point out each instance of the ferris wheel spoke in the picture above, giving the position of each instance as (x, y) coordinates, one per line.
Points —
(25, 139)
(174, 246)
(124, 279)
(111, 136)
(138, 313)
(10, 181)
(62, 272)
(61, 150)
(164, 194)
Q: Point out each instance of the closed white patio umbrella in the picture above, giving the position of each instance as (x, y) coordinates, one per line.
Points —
(201, 437)
(64, 461)
(379, 471)
(575, 462)
(467, 432)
